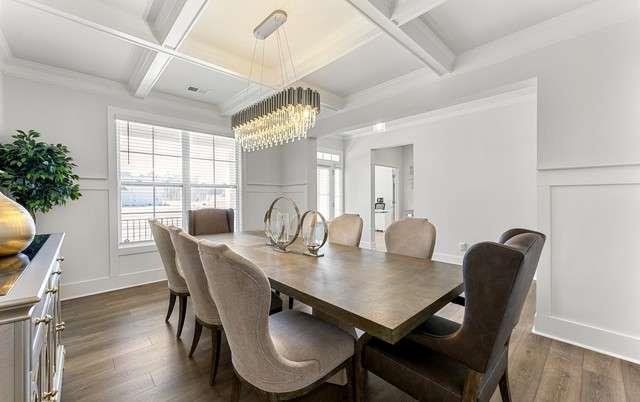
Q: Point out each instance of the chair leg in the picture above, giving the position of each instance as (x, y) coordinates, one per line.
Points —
(290, 303)
(235, 388)
(196, 337)
(183, 313)
(350, 368)
(172, 302)
(505, 392)
(216, 337)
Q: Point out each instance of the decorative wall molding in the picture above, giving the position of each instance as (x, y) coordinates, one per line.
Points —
(547, 322)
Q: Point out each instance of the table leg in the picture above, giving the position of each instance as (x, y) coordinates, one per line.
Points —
(360, 371)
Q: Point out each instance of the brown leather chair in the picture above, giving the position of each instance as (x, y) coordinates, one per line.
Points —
(210, 221)
(446, 361)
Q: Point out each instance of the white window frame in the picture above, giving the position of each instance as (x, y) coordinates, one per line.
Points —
(333, 165)
(114, 114)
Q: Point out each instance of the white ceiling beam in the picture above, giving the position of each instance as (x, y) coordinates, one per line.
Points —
(407, 10)
(415, 36)
(170, 27)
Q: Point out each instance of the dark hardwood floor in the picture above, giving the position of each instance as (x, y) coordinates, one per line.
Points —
(120, 349)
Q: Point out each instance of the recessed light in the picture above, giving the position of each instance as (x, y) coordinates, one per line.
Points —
(380, 127)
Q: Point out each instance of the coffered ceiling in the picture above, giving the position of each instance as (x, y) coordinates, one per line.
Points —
(340, 47)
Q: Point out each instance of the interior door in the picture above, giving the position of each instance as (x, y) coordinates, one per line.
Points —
(325, 196)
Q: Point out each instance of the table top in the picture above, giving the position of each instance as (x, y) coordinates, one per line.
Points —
(383, 294)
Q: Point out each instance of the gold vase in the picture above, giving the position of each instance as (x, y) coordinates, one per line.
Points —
(17, 228)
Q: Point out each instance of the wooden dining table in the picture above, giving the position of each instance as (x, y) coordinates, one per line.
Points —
(385, 295)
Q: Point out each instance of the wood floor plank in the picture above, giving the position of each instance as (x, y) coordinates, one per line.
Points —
(631, 380)
(602, 378)
(562, 374)
(120, 349)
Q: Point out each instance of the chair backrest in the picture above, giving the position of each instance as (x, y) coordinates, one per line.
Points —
(497, 278)
(413, 237)
(188, 256)
(346, 230)
(162, 238)
(210, 221)
(242, 294)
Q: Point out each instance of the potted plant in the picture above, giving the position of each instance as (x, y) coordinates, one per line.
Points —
(37, 175)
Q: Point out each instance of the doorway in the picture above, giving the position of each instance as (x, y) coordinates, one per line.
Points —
(392, 190)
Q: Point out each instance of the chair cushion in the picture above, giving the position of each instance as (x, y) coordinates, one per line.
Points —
(300, 337)
(417, 370)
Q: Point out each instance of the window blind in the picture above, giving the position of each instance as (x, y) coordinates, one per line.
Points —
(164, 172)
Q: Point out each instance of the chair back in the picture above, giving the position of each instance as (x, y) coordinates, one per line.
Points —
(242, 294)
(497, 277)
(346, 230)
(208, 221)
(162, 238)
(186, 247)
(413, 237)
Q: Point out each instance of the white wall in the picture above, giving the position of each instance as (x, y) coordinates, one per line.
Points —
(74, 112)
(588, 156)
(475, 173)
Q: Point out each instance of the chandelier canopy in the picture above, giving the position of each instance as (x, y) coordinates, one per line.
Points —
(282, 117)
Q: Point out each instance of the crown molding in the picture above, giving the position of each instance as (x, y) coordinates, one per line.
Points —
(591, 17)
(498, 97)
(46, 74)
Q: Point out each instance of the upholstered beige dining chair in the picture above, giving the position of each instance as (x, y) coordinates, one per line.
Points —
(346, 230)
(284, 355)
(210, 221)
(177, 285)
(413, 237)
(186, 247)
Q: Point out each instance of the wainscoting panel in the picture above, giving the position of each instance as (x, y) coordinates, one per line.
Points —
(86, 246)
(589, 275)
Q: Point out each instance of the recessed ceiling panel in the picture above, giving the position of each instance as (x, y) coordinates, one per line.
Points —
(465, 24)
(227, 27)
(45, 38)
(373, 63)
(181, 78)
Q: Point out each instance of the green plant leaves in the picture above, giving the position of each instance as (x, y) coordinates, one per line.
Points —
(38, 175)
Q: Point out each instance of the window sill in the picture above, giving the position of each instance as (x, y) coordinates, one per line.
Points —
(136, 248)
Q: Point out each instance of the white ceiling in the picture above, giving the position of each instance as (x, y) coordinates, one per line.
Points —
(217, 88)
(44, 38)
(337, 47)
(465, 24)
(375, 62)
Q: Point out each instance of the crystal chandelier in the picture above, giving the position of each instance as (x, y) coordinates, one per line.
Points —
(283, 117)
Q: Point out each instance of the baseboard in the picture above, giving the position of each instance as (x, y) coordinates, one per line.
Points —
(448, 258)
(108, 284)
(621, 346)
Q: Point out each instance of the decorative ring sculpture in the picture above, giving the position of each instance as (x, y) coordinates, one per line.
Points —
(309, 233)
(280, 235)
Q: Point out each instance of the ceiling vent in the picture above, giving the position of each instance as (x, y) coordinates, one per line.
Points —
(196, 90)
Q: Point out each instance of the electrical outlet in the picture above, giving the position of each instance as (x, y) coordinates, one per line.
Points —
(463, 246)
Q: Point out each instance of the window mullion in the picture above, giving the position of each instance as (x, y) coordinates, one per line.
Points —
(186, 179)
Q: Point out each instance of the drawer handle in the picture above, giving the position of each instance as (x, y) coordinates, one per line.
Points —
(52, 290)
(50, 395)
(44, 320)
(61, 326)
(60, 259)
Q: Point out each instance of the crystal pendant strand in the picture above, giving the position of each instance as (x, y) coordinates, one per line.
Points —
(284, 117)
